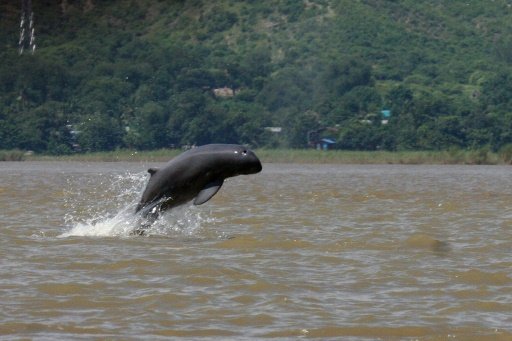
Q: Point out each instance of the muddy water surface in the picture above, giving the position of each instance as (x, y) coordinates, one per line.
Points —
(297, 251)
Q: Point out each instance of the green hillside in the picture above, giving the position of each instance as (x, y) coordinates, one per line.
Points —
(152, 74)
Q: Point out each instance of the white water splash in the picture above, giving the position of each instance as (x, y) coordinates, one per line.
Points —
(108, 210)
(185, 221)
(122, 224)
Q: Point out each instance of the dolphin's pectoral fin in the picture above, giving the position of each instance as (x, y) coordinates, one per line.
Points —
(152, 171)
(208, 192)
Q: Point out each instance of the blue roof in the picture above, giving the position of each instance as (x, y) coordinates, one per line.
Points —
(329, 141)
(386, 113)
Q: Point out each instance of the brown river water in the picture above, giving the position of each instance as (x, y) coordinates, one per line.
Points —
(346, 252)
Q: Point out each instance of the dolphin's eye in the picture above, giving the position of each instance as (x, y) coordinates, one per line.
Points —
(244, 152)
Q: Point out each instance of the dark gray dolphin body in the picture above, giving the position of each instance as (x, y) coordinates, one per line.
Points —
(196, 174)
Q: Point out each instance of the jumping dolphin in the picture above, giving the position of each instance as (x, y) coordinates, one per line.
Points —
(195, 174)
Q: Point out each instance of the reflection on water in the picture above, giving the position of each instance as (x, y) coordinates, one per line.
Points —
(296, 251)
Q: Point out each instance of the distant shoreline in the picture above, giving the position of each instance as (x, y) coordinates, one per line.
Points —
(456, 156)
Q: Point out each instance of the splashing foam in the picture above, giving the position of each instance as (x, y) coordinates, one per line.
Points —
(184, 220)
(121, 194)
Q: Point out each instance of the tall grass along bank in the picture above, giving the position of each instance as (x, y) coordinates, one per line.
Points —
(12, 155)
(455, 156)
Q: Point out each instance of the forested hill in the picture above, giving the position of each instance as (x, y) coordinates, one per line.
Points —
(149, 74)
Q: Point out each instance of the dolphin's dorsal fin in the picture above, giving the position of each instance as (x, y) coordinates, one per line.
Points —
(152, 171)
(208, 191)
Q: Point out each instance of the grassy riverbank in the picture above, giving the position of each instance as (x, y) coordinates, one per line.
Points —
(382, 157)
(12, 155)
(455, 156)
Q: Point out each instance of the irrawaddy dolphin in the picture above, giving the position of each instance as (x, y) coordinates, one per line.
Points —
(196, 174)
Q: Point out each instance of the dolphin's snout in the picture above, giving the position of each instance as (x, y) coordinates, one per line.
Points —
(254, 164)
(257, 167)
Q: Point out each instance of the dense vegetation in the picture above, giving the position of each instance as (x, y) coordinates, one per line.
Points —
(141, 74)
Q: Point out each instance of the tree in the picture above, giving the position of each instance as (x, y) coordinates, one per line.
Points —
(357, 135)
(296, 127)
(341, 76)
(497, 93)
(99, 131)
(147, 128)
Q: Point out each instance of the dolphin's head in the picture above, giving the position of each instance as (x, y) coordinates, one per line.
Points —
(225, 160)
(247, 161)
